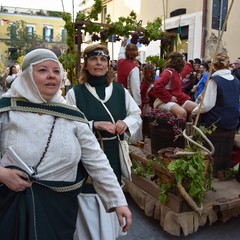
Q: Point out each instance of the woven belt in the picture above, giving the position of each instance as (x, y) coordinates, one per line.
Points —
(63, 189)
(110, 138)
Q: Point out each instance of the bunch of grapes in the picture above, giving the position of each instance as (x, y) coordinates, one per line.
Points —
(169, 117)
(95, 37)
(175, 122)
(104, 35)
(135, 37)
(144, 40)
(165, 41)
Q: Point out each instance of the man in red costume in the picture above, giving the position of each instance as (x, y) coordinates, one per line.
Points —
(127, 70)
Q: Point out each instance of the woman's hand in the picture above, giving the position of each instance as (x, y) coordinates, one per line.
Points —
(15, 180)
(124, 217)
(105, 126)
(121, 127)
(174, 99)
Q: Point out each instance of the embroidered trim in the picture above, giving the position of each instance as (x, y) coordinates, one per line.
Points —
(5, 109)
(75, 115)
(49, 112)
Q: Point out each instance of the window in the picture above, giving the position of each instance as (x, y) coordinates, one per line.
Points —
(13, 32)
(104, 14)
(178, 12)
(12, 54)
(63, 35)
(47, 33)
(30, 29)
(219, 12)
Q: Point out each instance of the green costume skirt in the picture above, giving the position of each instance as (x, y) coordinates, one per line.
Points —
(46, 211)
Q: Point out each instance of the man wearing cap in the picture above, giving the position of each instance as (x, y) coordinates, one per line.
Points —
(236, 70)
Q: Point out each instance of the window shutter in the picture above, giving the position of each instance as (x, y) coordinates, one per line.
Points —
(32, 31)
(64, 35)
(13, 32)
(44, 33)
(219, 12)
(51, 36)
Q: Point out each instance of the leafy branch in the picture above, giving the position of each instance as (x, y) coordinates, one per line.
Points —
(193, 172)
(124, 26)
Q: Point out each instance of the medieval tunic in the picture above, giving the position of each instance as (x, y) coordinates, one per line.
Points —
(221, 101)
(51, 215)
(128, 75)
(220, 107)
(123, 107)
(169, 84)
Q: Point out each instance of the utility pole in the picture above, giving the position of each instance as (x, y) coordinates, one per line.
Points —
(63, 6)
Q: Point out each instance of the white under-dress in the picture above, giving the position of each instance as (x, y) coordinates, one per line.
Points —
(91, 206)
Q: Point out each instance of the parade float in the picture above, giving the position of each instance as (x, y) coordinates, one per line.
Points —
(176, 184)
(178, 189)
(172, 174)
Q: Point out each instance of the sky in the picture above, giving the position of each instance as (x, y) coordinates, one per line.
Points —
(55, 5)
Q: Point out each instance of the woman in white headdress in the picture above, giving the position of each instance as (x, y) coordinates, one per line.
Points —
(54, 140)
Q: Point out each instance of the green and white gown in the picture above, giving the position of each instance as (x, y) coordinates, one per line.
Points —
(93, 222)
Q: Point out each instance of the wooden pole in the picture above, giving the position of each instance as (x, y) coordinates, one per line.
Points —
(79, 36)
(164, 16)
(211, 68)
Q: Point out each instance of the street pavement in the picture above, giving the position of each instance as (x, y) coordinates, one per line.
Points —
(147, 228)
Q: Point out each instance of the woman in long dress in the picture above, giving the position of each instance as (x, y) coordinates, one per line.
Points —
(95, 92)
(53, 139)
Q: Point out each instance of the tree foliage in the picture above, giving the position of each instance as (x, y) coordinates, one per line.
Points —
(71, 31)
(21, 39)
(69, 59)
(54, 14)
(156, 60)
(125, 26)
